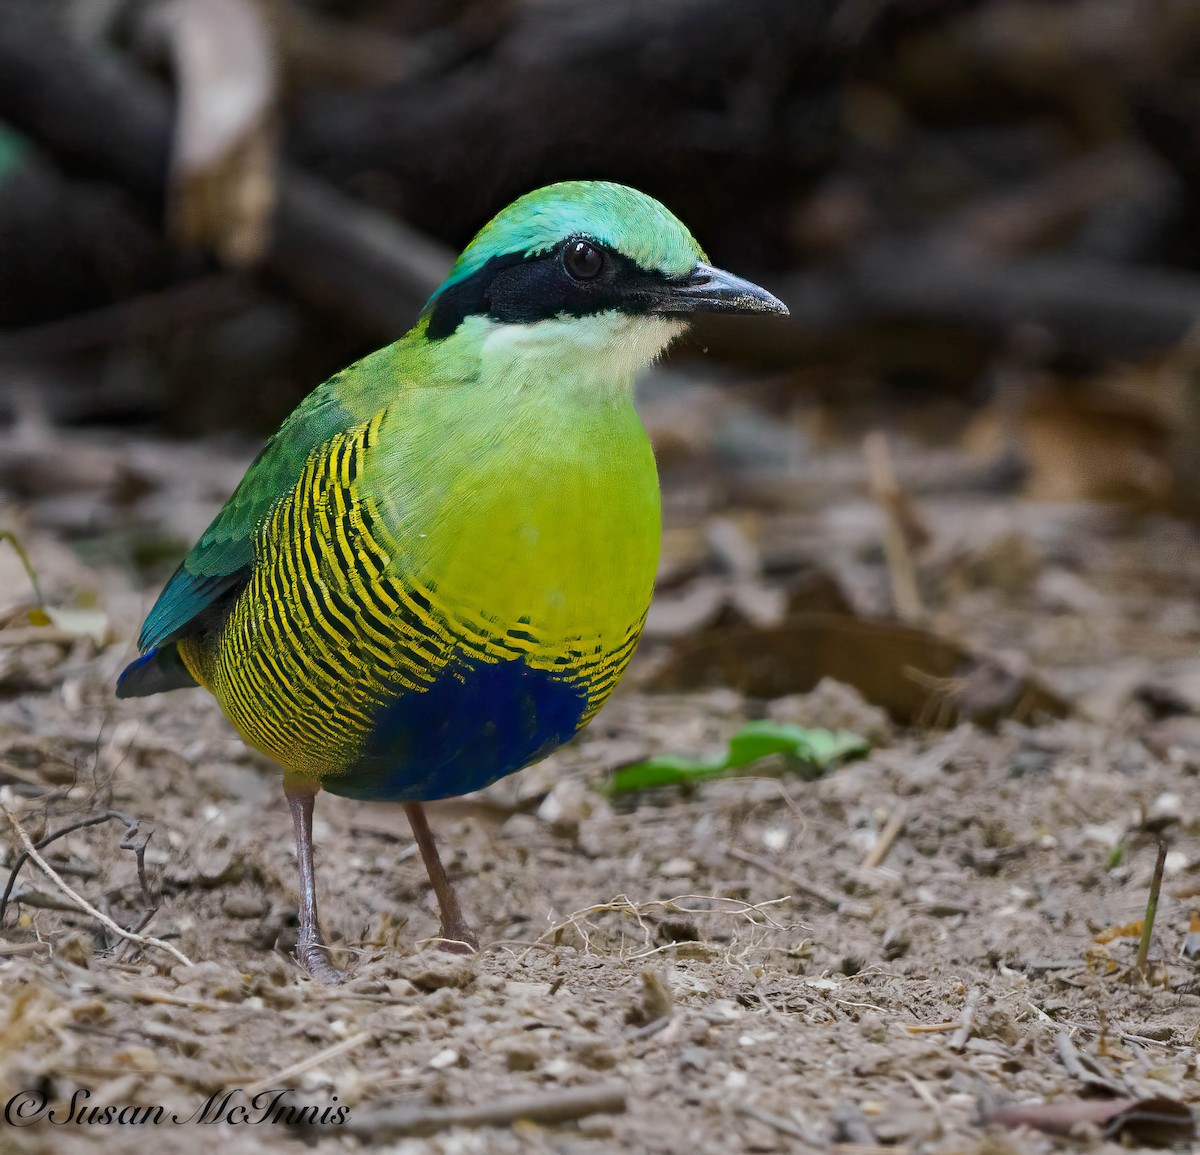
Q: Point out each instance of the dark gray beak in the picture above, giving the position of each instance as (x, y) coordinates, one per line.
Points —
(709, 290)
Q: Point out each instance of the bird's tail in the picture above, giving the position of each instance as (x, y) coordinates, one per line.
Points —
(156, 671)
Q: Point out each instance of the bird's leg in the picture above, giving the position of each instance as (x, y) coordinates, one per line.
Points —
(311, 951)
(455, 936)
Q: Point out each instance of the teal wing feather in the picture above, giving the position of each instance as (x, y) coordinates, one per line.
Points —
(220, 562)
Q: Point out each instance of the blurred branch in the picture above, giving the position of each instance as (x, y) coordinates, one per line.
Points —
(1084, 303)
(460, 141)
(902, 527)
(100, 116)
(348, 258)
(223, 164)
(146, 315)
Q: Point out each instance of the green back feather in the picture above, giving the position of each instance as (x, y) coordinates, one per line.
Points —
(221, 560)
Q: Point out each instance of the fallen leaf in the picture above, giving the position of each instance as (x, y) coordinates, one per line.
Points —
(1125, 930)
(806, 750)
(82, 623)
(914, 674)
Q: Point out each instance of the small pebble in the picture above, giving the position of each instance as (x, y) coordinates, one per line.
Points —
(677, 868)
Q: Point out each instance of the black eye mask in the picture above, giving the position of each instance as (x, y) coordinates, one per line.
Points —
(519, 289)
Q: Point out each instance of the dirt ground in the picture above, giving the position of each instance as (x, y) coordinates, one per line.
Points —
(741, 967)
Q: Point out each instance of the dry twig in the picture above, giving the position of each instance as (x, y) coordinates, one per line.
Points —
(82, 903)
(966, 1021)
(131, 827)
(1082, 1068)
(780, 1123)
(558, 1106)
(887, 837)
(282, 1078)
(901, 528)
(623, 904)
(810, 889)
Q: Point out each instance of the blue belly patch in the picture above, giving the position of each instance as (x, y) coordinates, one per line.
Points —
(478, 722)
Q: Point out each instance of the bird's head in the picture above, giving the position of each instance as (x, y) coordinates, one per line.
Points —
(583, 275)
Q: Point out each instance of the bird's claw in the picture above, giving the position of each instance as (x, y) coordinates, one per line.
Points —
(313, 956)
(459, 939)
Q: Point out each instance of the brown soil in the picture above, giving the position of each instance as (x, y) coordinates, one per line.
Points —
(673, 943)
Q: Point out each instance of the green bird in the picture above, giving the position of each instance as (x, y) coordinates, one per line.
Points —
(438, 568)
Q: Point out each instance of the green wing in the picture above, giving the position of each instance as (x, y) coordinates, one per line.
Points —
(220, 562)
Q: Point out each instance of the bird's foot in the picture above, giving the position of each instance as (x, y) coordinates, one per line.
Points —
(313, 955)
(457, 938)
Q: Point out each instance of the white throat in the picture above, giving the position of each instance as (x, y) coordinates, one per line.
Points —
(600, 354)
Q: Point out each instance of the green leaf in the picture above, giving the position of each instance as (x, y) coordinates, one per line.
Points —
(808, 752)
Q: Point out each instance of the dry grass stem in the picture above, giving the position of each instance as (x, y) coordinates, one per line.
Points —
(9, 949)
(931, 1028)
(282, 1078)
(83, 904)
(1160, 863)
(548, 1107)
(131, 827)
(898, 528)
(810, 889)
(755, 913)
(959, 1042)
(887, 837)
(780, 1123)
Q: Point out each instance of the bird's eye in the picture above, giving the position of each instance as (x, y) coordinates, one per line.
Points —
(583, 260)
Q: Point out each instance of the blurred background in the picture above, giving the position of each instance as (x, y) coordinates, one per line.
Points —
(961, 478)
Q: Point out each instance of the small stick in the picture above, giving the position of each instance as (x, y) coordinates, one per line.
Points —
(550, 1107)
(83, 823)
(1151, 908)
(123, 993)
(7, 949)
(811, 889)
(82, 903)
(1077, 1068)
(966, 1021)
(139, 850)
(1069, 1057)
(285, 1076)
(898, 523)
(887, 837)
(780, 1123)
(923, 1092)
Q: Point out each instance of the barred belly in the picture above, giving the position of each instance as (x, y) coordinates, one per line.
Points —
(382, 687)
